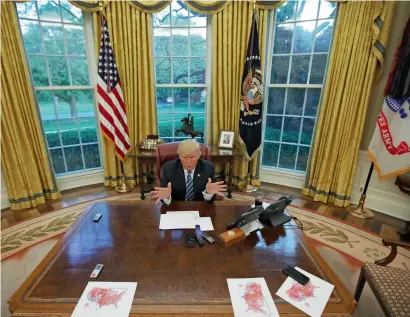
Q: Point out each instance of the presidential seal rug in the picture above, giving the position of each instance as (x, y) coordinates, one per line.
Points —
(343, 246)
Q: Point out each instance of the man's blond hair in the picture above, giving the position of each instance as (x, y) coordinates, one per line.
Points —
(188, 146)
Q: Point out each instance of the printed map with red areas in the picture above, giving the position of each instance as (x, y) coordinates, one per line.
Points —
(301, 293)
(253, 297)
(105, 296)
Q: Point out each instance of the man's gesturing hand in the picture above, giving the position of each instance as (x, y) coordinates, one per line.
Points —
(215, 188)
(161, 193)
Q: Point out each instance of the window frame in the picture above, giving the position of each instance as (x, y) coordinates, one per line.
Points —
(87, 27)
(208, 76)
(272, 24)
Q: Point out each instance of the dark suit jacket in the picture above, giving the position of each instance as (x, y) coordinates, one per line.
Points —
(172, 171)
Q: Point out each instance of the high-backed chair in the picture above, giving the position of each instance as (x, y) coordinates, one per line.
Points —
(168, 151)
(390, 285)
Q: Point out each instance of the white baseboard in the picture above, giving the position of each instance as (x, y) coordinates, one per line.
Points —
(282, 177)
(382, 195)
(80, 179)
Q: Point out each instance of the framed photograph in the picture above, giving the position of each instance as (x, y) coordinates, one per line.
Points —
(227, 139)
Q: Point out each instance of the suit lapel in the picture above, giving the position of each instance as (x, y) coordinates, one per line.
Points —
(199, 168)
(181, 177)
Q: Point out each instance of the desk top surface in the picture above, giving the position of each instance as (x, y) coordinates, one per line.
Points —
(169, 275)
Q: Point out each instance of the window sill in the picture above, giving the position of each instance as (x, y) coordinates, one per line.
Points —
(282, 177)
(80, 179)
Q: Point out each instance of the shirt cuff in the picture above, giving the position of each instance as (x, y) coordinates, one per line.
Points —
(167, 201)
(207, 196)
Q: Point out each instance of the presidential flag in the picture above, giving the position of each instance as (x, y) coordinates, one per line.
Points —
(111, 107)
(250, 121)
(389, 148)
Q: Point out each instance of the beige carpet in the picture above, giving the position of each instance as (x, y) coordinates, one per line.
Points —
(343, 246)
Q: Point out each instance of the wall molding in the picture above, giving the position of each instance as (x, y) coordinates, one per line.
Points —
(80, 179)
(282, 177)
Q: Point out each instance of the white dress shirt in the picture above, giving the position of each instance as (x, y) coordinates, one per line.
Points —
(207, 197)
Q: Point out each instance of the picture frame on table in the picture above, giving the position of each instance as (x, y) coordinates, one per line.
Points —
(226, 139)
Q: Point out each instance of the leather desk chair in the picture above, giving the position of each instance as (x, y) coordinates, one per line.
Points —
(168, 151)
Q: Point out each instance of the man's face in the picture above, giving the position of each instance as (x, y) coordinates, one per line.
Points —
(189, 160)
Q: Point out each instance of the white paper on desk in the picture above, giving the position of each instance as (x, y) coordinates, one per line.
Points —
(177, 221)
(105, 299)
(251, 298)
(310, 298)
(206, 224)
(195, 213)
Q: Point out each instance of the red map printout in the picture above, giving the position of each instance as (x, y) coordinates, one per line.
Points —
(105, 296)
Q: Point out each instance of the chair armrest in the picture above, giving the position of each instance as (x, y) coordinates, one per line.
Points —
(393, 252)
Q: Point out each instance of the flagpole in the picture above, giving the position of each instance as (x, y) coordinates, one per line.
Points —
(122, 186)
(360, 211)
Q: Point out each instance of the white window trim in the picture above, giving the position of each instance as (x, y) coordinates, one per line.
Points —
(275, 171)
(87, 25)
(208, 76)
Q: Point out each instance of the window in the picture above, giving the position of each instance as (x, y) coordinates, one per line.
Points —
(302, 34)
(180, 50)
(55, 43)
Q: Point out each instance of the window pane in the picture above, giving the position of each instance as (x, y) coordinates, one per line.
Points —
(58, 71)
(197, 70)
(283, 38)
(73, 158)
(27, 10)
(327, 10)
(273, 128)
(164, 100)
(179, 14)
(197, 39)
(280, 67)
(69, 132)
(32, 36)
(49, 10)
(324, 32)
(88, 130)
(75, 40)
(196, 19)
(58, 161)
(53, 38)
(181, 100)
(45, 102)
(197, 99)
(180, 42)
(85, 103)
(287, 156)
(307, 130)
(307, 10)
(79, 71)
(286, 12)
(302, 158)
(276, 100)
(163, 70)
(291, 129)
(180, 70)
(38, 70)
(162, 18)
(91, 156)
(162, 42)
(71, 13)
(51, 131)
(318, 69)
(303, 37)
(312, 101)
(178, 124)
(299, 69)
(165, 124)
(294, 102)
(199, 122)
(270, 154)
(66, 104)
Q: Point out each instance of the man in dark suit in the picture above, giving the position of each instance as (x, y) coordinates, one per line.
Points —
(188, 177)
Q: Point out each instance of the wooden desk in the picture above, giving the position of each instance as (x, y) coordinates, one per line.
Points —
(222, 156)
(172, 280)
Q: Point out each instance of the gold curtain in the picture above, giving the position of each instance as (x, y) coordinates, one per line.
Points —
(231, 29)
(360, 36)
(131, 38)
(28, 174)
(152, 6)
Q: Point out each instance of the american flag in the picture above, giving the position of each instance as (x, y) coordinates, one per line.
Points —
(111, 107)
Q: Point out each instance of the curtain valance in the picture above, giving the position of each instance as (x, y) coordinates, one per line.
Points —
(152, 6)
